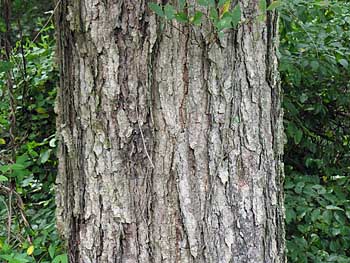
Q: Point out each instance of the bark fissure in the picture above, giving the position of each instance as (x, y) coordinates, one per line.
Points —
(170, 150)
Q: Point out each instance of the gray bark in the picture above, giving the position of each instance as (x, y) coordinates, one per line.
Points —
(170, 140)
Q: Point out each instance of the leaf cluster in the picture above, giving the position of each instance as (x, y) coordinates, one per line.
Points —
(222, 14)
(28, 152)
(314, 56)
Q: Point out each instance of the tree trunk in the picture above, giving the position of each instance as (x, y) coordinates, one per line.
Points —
(170, 140)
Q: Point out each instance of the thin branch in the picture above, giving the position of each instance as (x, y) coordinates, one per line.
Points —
(47, 22)
(300, 23)
(143, 140)
(24, 62)
(9, 218)
(8, 49)
(20, 203)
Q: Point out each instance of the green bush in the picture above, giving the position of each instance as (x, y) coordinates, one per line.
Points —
(28, 163)
(315, 51)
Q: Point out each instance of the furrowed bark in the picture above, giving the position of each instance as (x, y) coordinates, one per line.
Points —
(170, 140)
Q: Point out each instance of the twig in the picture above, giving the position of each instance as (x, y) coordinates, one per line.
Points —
(300, 23)
(19, 203)
(47, 22)
(9, 218)
(3, 201)
(143, 139)
(24, 62)
(7, 18)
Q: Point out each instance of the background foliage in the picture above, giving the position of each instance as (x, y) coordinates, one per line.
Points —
(315, 53)
(27, 137)
(314, 65)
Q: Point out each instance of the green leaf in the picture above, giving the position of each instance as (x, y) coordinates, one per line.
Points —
(224, 22)
(156, 9)
(44, 157)
(348, 214)
(169, 12)
(333, 207)
(23, 160)
(262, 6)
(314, 65)
(334, 246)
(212, 3)
(182, 4)
(274, 5)
(17, 166)
(3, 178)
(294, 132)
(344, 63)
(27, 181)
(290, 215)
(197, 18)
(322, 3)
(214, 15)
(5, 66)
(303, 97)
(299, 187)
(203, 3)
(4, 168)
(315, 215)
(207, 3)
(60, 259)
(340, 217)
(221, 3)
(52, 249)
(2, 141)
(181, 17)
(236, 15)
(9, 258)
(40, 110)
(261, 18)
